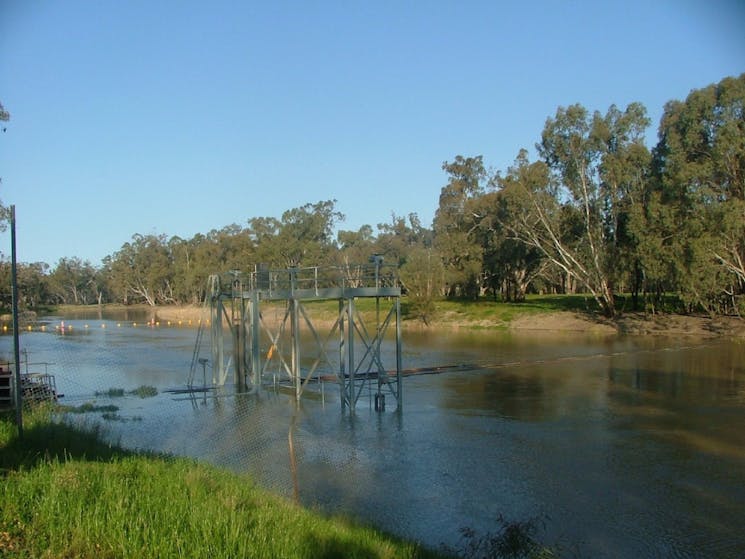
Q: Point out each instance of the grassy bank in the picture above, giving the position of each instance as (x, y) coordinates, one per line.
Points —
(65, 493)
(556, 313)
(483, 313)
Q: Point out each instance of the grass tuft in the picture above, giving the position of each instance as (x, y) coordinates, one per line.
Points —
(144, 391)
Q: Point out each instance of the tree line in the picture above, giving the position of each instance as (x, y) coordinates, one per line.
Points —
(596, 212)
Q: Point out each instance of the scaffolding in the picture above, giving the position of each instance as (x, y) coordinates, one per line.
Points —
(265, 331)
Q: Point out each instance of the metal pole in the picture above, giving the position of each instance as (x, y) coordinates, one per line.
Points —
(16, 340)
(295, 331)
(239, 340)
(342, 357)
(399, 384)
(255, 340)
(218, 363)
(350, 353)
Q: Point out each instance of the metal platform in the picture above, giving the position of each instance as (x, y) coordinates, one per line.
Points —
(35, 387)
(263, 332)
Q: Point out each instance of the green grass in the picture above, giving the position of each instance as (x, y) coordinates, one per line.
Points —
(487, 313)
(484, 313)
(66, 493)
(89, 407)
(143, 391)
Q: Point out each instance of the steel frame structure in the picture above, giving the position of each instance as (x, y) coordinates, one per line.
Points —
(268, 351)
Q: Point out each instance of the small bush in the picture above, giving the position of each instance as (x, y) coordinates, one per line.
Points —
(511, 540)
(144, 391)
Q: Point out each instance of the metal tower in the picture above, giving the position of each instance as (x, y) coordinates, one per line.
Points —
(276, 336)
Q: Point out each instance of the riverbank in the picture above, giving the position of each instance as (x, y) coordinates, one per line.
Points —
(539, 314)
(66, 493)
(528, 317)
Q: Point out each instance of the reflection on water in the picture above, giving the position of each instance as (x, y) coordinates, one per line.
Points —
(630, 447)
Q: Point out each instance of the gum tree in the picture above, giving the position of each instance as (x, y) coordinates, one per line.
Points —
(699, 165)
(454, 225)
(572, 206)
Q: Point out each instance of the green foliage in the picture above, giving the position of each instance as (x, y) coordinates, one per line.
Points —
(397, 239)
(75, 282)
(422, 279)
(89, 407)
(144, 391)
(303, 237)
(468, 311)
(142, 270)
(455, 222)
(594, 163)
(699, 195)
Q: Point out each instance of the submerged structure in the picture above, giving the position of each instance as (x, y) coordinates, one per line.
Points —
(303, 327)
(35, 387)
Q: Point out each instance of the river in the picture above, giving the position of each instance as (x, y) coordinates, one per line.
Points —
(614, 447)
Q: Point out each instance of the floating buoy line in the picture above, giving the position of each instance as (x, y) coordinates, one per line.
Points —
(65, 327)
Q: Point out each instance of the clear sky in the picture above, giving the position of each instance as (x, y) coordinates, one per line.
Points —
(179, 117)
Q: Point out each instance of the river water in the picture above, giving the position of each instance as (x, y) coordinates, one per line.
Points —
(615, 447)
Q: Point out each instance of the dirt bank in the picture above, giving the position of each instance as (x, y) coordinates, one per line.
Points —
(635, 324)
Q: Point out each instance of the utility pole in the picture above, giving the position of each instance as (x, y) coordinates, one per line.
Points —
(16, 342)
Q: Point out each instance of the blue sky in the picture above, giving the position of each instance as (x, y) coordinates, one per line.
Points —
(179, 117)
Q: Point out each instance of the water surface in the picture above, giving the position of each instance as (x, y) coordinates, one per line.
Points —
(621, 447)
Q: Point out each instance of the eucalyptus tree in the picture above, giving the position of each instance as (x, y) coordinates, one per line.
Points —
(142, 271)
(572, 206)
(395, 240)
(422, 277)
(187, 287)
(572, 153)
(407, 245)
(527, 210)
(74, 281)
(194, 260)
(455, 222)
(264, 232)
(356, 246)
(509, 265)
(304, 236)
(355, 249)
(594, 171)
(33, 285)
(699, 162)
(623, 173)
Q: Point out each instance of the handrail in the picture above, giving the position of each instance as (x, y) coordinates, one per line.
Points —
(313, 278)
